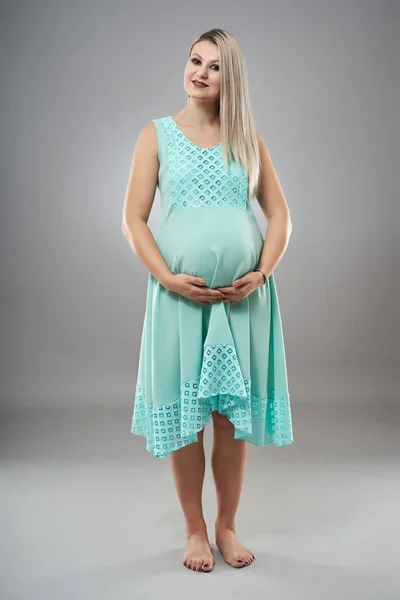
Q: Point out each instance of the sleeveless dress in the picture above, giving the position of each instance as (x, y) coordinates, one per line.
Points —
(197, 358)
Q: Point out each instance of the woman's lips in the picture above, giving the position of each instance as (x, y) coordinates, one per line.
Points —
(198, 84)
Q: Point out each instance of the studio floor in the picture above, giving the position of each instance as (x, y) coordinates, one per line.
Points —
(88, 513)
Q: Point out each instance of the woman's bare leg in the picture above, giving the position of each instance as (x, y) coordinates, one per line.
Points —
(188, 468)
(228, 461)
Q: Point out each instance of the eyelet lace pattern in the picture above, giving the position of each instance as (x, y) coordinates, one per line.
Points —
(220, 386)
(199, 177)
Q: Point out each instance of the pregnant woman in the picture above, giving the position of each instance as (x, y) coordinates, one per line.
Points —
(212, 343)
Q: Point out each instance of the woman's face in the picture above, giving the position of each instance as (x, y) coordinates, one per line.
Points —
(203, 66)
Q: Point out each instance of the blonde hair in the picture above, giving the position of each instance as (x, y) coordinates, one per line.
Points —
(238, 132)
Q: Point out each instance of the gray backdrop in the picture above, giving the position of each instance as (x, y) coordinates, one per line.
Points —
(81, 79)
(79, 82)
(86, 511)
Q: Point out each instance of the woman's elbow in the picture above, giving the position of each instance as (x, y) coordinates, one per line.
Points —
(126, 229)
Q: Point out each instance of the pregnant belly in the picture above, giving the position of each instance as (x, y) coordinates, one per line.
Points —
(217, 244)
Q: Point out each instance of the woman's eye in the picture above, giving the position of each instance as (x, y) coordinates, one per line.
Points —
(196, 59)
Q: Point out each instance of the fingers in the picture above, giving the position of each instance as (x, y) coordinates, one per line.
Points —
(230, 289)
(207, 293)
(201, 294)
(207, 296)
(208, 299)
(203, 302)
(196, 280)
(203, 299)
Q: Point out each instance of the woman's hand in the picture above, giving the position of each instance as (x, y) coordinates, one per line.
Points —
(242, 287)
(193, 288)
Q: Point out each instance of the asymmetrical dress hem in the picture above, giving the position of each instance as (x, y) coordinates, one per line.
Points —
(180, 422)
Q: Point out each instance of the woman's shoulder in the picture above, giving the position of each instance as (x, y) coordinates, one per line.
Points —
(160, 119)
(149, 128)
(147, 138)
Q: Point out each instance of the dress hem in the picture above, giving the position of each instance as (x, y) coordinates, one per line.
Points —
(168, 428)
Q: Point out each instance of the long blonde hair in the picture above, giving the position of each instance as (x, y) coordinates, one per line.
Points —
(238, 133)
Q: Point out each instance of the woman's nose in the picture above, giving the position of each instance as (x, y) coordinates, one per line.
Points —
(201, 73)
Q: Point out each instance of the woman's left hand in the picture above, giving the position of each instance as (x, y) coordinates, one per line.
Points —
(242, 287)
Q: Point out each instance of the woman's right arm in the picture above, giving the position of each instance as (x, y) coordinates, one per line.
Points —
(138, 202)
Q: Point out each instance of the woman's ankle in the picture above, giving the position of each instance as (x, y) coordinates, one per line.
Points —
(222, 523)
(196, 527)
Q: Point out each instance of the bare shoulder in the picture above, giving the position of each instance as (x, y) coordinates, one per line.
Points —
(266, 163)
(143, 176)
(264, 152)
(146, 143)
(145, 165)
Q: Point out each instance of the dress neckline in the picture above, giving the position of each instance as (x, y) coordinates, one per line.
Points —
(190, 141)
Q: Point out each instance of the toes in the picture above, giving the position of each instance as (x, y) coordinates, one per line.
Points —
(207, 565)
(243, 560)
(198, 564)
(238, 561)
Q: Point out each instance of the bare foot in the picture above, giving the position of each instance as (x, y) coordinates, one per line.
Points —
(234, 553)
(198, 555)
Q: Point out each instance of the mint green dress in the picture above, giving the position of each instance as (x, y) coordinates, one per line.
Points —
(196, 358)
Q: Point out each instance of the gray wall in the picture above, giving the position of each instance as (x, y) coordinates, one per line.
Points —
(80, 79)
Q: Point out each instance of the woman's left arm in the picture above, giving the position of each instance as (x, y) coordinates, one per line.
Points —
(270, 197)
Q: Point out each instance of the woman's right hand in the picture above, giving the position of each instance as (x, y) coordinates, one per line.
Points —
(192, 288)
